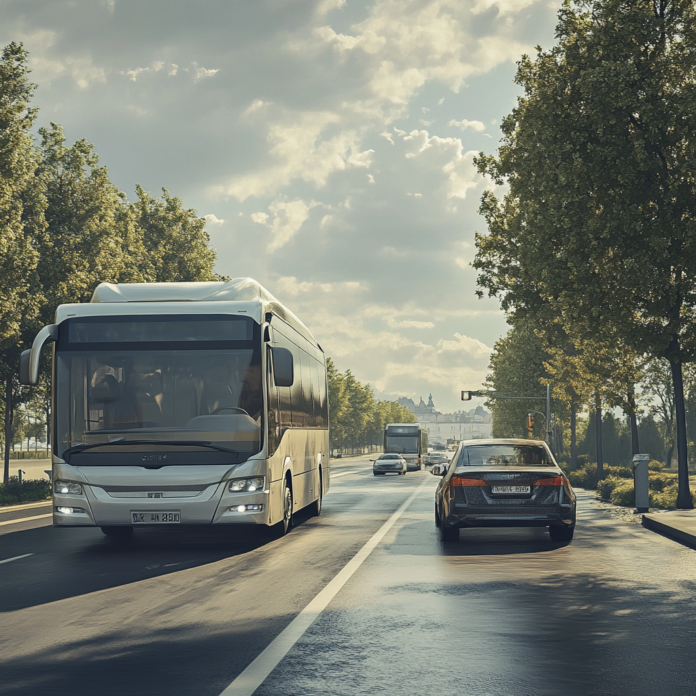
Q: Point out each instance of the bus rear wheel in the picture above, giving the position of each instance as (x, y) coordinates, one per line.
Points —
(315, 507)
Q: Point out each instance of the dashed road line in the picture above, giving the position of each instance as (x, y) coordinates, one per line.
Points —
(257, 672)
(16, 558)
(344, 473)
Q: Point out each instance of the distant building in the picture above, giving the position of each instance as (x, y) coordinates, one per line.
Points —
(462, 425)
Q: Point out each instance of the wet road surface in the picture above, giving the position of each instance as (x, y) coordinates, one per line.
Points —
(501, 612)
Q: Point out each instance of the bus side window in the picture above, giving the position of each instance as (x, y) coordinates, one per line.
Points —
(298, 407)
(284, 393)
(324, 400)
(273, 411)
(307, 407)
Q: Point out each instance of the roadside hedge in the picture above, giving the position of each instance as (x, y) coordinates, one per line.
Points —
(617, 485)
(29, 491)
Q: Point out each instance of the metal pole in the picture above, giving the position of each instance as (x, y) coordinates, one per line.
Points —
(548, 411)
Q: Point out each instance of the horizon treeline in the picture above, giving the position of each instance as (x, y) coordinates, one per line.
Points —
(357, 418)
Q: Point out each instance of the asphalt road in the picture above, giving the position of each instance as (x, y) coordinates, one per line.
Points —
(502, 612)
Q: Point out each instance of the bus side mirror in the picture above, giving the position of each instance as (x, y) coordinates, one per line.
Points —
(29, 361)
(24, 367)
(283, 369)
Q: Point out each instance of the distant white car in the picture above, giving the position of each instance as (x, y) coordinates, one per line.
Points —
(436, 458)
(389, 464)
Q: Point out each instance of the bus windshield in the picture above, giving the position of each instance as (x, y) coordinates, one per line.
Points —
(402, 444)
(212, 396)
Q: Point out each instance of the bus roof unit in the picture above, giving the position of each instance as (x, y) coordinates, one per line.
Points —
(249, 297)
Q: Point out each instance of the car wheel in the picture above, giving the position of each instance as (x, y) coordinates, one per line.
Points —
(118, 532)
(561, 533)
(448, 534)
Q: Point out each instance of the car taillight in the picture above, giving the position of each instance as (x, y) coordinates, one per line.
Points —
(556, 481)
(457, 481)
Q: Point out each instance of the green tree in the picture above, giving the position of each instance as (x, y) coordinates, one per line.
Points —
(599, 155)
(22, 207)
(517, 368)
(176, 243)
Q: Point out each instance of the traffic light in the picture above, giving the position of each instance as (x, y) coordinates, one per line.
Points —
(466, 396)
(530, 425)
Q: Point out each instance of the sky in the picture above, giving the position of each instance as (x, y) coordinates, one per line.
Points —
(328, 143)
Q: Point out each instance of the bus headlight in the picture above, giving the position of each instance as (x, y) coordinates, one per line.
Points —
(67, 487)
(248, 485)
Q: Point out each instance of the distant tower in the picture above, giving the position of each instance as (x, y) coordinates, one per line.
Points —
(430, 402)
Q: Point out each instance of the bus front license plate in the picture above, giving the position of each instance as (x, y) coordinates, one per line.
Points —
(510, 489)
(168, 517)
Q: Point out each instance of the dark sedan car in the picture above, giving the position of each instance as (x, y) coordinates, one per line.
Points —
(504, 483)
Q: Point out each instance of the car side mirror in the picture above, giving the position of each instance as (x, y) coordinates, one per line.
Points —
(438, 470)
(283, 367)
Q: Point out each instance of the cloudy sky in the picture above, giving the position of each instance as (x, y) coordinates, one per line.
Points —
(328, 143)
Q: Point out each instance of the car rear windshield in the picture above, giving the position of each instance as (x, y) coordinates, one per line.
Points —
(503, 455)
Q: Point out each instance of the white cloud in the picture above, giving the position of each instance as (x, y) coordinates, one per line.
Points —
(464, 124)
(213, 219)
(288, 218)
(259, 218)
(201, 72)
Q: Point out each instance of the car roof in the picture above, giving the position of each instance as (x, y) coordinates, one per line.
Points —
(503, 441)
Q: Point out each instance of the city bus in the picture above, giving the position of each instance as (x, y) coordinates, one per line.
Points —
(409, 440)
(184, 404)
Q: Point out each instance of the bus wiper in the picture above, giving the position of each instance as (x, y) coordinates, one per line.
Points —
(76, 449)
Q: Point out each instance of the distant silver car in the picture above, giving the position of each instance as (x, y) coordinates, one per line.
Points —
(436, 458)
(389, 464)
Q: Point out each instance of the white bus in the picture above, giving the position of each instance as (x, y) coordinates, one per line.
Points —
(410, 440)
(184, 404)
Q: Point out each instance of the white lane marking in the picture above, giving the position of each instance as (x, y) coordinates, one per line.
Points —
(26, 519)
(16, 558)
(257, 672)
(345, 473)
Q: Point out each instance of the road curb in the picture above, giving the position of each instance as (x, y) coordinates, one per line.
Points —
(649, 522)
(24, 506)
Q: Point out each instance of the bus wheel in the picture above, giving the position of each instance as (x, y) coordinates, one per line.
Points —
(118, 532)
(285, 525)
(315, 507)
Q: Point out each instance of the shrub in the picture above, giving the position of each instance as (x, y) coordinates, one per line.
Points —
(607, 485)
(654, 465)
(623, 494)
(29, 491)
(658, 482)
(586, 477)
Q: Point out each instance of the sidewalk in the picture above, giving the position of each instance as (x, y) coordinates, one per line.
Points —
(35, 468)
(679, 525)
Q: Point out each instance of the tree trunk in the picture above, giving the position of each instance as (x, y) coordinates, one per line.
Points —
(8, 428)
(633, 419)
(598, 435)
(573, 437)
(684, 501)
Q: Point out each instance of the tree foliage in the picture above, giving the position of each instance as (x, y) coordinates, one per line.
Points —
(357, 418)
(64, 228)
(597, 227)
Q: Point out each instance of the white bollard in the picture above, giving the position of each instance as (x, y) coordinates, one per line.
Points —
(641, 484)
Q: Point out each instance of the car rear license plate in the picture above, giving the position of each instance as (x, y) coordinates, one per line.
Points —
(510, 489)
(165, 517)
